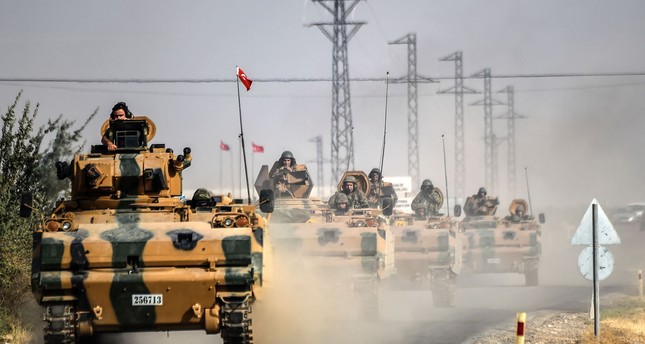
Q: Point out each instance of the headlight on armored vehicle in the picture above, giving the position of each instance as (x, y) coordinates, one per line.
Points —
(241, 222)
(67, 226)
(52, 226)
(228, 223)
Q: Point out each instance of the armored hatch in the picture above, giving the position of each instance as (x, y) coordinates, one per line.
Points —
(299, 184)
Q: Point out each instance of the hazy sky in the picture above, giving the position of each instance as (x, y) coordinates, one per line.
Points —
(583, 137)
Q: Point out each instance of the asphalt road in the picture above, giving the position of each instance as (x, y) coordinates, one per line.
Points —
(483, 301)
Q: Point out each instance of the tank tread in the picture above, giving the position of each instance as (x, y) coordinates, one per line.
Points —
(59, 323)
(366, 289)
(443, 286)
(236, 322)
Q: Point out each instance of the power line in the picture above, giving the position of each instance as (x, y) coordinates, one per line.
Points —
(288, 80)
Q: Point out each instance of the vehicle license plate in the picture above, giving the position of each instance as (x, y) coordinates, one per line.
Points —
(492, 261)
(147, 300)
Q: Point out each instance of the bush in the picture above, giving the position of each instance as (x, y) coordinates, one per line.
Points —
(24, 166)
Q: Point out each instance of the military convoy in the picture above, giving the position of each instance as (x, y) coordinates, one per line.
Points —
(428, 253)
(127, 253)
(512, 244)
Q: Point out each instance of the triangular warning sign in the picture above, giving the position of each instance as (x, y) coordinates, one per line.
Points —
(607, 235)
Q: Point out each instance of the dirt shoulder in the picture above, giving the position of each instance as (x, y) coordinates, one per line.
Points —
(622, 321)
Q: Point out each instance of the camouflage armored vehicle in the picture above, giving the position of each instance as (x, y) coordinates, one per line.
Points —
(126, 253)
(428, 253)
(502, 245)
(355, 249)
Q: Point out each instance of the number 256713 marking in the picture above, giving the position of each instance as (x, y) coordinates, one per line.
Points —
(147, 299)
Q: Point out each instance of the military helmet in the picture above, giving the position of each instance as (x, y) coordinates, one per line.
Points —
(203, 198)
(350, 179)
(375, 170)
(426, 184)
(482, 190)
(288, 155)
(341, 198)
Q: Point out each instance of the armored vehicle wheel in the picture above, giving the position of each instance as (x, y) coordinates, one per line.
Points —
(531, 277)
(443, 289)
(236, 322)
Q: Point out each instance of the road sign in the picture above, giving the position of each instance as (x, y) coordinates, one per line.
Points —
(607, 235)
(605, 263)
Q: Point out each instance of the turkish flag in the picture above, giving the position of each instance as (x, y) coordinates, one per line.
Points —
(246, 81)
(257, 149)
(223, 146)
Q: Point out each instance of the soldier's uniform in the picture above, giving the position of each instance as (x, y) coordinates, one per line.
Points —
(428, 199)
(340, 203)
(380, 190)
(356, 198)
(279, 175)
(479, 204)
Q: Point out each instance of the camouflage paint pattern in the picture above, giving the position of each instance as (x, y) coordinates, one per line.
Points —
(493, 245)
(425, 245)
(126, 232)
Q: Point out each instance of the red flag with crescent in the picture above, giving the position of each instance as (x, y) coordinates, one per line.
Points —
(257, 148)
(244, 79)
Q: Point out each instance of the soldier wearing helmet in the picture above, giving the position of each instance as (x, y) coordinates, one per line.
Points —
(428, 200)
(480, 204)
(518, 212)
(119, 112)
(355, 197)
(286, 164)
(380, 190)
(341, 204)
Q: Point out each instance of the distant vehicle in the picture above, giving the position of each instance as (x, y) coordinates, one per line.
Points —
(630, 214)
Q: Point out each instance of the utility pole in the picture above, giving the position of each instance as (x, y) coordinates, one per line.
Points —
(489, 145)
(510, 116)
(342, 136)
(319, 165)
(495, 180)
(458, 90)
(413, 123)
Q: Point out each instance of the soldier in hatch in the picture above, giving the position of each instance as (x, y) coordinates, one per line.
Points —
(120, 112)
(480, 204)
(380, 190)
(356, 198)
(286, 163)
(519, 215)
(428, 200)
(341, 204)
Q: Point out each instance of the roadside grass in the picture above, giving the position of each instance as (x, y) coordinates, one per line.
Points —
(18, 332)
(622, 322)
(19, 326)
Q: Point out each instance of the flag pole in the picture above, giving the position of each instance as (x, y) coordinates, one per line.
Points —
(232, 162)
(252, 164)
(239, 106)
(239, 168)
(221, 187)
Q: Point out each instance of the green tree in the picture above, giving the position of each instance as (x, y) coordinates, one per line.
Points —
(26, 167)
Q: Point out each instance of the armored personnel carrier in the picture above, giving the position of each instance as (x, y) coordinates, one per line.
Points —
(428, 253)
(353, 249)
(502, 245)
(127, 253)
